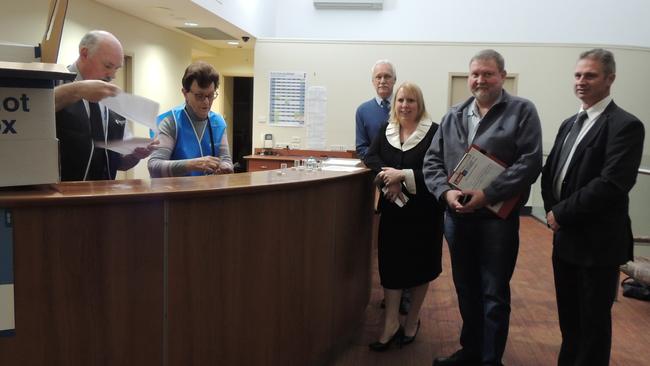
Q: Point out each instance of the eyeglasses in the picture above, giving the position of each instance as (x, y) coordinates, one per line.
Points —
(201, 97)
(386, 77)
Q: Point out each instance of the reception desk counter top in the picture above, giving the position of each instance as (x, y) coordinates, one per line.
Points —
(244, 269)
(101, 191)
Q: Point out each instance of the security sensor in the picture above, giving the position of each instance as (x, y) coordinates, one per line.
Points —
(245, 38)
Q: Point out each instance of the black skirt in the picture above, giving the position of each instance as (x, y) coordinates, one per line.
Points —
(410, 243)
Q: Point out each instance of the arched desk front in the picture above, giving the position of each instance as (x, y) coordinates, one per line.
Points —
(245, 269)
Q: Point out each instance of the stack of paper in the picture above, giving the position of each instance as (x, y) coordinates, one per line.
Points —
(137, 109)
(342, 165)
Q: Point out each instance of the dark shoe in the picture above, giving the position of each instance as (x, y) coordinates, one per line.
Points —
(408, 340)
(456, 359)
(397, 338)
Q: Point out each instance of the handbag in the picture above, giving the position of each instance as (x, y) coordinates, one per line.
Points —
(635, 289)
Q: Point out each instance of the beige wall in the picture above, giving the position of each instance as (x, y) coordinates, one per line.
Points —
(545, 76)
(159, 55)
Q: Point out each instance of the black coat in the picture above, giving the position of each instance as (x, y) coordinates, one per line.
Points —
(410, 237)
(76, 143)
(592, 212)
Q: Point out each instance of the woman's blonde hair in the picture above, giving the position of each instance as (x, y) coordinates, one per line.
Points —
(412, 88)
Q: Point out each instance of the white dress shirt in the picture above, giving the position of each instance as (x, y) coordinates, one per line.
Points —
(593, 113)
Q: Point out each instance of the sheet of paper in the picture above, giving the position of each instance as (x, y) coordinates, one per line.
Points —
(343, 162)
(124, 147)
(475, 171)
(135, 108)
(340, 168)
(399, 202)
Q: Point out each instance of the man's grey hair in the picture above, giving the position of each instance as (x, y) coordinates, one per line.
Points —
(605, 57)
(91, 40)
(383, 62)
(490, 54)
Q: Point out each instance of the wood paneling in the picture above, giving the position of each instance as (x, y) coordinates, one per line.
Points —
(258, 163)
(349, 154)
(243, 269)
(88, 286)
(269, 294)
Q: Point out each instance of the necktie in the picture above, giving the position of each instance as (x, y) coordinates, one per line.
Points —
(96, 125)
(385, 105)
(568, 145)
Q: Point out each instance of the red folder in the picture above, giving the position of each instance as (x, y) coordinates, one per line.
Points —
(476, 170)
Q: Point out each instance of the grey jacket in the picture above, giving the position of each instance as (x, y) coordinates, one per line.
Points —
(510, 131)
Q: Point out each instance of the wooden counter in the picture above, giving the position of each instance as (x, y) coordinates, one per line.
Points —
(244, 269)
(258, 162)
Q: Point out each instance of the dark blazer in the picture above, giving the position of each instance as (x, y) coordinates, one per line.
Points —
(75, 144)
(592, 212)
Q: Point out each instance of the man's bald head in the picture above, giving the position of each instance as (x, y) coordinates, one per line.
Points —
(100, 55)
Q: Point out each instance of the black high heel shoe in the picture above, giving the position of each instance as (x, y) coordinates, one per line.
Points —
(396, 338)
(408, 340)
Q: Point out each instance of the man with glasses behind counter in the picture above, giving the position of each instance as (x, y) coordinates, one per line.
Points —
(193, 139)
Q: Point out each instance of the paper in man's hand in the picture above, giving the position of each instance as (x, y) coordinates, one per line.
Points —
(135, 108)
(124, 147)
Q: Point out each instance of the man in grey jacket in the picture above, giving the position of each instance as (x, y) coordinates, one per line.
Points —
(483, 246)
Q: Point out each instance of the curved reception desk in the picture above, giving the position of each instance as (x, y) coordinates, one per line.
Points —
(245, 269)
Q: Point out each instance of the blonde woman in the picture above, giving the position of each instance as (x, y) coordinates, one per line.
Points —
(410, 227)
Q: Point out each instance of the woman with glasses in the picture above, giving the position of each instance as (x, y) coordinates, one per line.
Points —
(193, 139)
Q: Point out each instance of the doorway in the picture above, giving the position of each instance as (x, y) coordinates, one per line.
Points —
(242, 121)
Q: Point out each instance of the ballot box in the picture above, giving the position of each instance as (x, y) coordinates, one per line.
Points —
(29, 151)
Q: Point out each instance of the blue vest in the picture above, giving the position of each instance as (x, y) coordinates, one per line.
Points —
(187, 143)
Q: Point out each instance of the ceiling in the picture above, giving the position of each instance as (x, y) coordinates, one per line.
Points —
(176, 14)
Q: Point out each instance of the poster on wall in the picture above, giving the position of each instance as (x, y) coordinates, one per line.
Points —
(287, 98)
(316, 118)
(7, 321)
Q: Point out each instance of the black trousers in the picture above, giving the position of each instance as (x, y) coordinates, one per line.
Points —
(584, 302)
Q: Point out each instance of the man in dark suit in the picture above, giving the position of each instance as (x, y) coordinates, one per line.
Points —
(81, 120)
(585, 183)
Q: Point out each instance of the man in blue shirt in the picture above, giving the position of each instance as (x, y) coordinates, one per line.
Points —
(370, 116)
(373, 113)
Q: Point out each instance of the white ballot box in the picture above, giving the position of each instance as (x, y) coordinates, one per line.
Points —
(29, 151)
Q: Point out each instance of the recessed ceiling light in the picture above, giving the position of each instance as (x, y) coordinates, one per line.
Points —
(191, 24)
(233, 43)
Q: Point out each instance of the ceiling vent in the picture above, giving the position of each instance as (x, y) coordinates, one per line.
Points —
(209, 34)
(349, 4)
